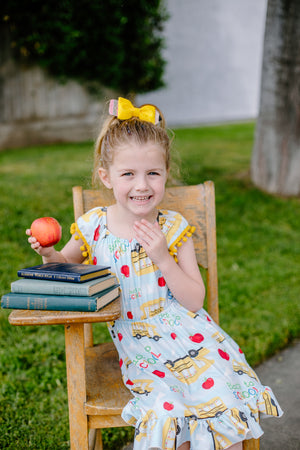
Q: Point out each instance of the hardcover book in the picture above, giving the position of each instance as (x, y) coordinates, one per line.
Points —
(52, 287)
(60, 302)
(64, 272)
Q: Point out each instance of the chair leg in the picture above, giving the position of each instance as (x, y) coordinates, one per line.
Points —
(75, 359)
(95, 439)
(98, 444)
(251, 444)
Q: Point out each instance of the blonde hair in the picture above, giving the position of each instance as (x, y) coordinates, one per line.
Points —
(115, 133)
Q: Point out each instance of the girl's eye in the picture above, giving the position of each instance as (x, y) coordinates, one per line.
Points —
(126, 174)
(153, 173)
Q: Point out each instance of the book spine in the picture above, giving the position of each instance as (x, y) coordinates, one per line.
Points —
(51, 303)
(50, 276)
(78, 290)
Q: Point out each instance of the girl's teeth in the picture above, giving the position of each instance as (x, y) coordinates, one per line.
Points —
(140, 198)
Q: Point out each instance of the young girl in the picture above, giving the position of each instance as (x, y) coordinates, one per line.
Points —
(192, 387)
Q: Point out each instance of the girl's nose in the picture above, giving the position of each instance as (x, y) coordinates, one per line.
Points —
(141, 183)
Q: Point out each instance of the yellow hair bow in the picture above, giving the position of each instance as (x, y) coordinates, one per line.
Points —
(124, 109)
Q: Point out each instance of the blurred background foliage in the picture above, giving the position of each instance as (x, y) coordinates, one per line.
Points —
(112, 43)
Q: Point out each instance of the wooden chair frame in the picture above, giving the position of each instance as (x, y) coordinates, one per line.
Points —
(96, 393)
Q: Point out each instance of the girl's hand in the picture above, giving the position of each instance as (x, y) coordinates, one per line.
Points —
(36, 246)
(153, 240)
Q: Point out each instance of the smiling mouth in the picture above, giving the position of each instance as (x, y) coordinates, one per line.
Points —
(141, 199)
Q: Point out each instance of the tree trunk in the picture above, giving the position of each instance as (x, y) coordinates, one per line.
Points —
(276, 154)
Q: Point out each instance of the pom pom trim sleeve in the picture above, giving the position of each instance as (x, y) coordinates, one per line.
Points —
(85, 248)
(184, 235)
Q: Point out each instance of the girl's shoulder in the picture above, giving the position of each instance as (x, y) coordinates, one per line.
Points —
(95, 214)
(90, 223)
(171, 218)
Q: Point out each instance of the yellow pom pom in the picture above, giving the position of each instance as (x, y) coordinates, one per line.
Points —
(82, 248)
(73, 228)
(184, 239)
(189, 234)
(179, 244)
(84, 254)
(76, 237)
(193, 229)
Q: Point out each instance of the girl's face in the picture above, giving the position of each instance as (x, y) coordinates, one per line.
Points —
(137, 176)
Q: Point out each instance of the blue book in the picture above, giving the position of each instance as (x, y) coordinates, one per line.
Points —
(64, 272)
(60, 302)
(52, 287)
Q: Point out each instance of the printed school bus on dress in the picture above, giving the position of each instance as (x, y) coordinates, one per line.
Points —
(142, 264)
(186, 370)
(142, 386)
(242, 368)
(152, 308)
(218, 336)
(142, 429)
(214, 408)
(268, 405)
(220, 441)
(169, 433)
(238, 419)
(141, 329)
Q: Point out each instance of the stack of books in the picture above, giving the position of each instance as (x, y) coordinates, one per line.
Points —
(62, 287)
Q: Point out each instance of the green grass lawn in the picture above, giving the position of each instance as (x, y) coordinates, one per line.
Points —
(258, 237)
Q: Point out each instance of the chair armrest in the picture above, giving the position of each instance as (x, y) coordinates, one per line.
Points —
(37, 317)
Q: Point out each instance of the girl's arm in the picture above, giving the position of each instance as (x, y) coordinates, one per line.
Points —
(71, 252)
(183, 278)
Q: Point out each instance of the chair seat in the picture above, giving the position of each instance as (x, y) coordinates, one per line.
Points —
(106, 393)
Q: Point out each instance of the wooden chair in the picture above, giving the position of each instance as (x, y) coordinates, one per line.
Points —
(95, 389)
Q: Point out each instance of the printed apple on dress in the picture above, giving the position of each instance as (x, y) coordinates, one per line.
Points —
(168, 406)
(208, 383)
(159, 374)
(223, 354)
(125, 270)
(197, 337)
(46, 230)
(161, 282)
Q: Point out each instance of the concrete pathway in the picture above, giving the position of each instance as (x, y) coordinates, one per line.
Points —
(282, 374)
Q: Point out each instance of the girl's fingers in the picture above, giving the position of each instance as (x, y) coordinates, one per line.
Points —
(147, 228)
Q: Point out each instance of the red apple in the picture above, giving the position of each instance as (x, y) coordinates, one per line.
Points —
(125, 271)
(208, 383)
(129, 315)
(46, 230)
(159, 373)
(197, 337)
(161, 282)
(120, 336)
(168, 406)
(97, 233)
(223, 354)
(173, 336)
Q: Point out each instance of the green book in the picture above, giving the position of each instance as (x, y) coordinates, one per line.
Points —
(87, 288)
(64, 272)
(60, 302)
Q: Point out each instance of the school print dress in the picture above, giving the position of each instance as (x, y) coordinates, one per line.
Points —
(189, 380)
